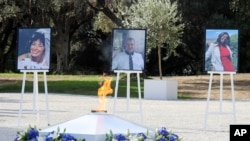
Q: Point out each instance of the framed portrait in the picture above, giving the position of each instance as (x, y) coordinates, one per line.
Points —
(221, 50)
(128, 49)
(33, 48)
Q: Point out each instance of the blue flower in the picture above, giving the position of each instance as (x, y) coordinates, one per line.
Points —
(49, 136)
(48, 139)
(33, 133)
(173, 137)
(68, 137)
(163, 131)
(120, 137)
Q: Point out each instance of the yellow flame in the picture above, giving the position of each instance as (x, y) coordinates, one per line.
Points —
(103, 91)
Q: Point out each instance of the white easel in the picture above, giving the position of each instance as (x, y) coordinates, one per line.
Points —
(128, 92)
(221, 95)
(35, 94)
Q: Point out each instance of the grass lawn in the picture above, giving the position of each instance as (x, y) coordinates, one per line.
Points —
(66, 84)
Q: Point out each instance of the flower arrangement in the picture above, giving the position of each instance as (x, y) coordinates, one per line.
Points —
(160, 134)
(32, 134)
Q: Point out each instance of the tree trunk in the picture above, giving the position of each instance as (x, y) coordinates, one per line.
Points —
(2, 67)
(159, 62)
(62, 53)
(5, 47)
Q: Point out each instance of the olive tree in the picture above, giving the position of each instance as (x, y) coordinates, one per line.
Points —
(159, 17)
(163, 24)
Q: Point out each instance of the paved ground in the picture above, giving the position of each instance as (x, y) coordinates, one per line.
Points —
(184, 117)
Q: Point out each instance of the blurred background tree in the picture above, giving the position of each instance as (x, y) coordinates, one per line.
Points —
(163, 23)
(82, 32)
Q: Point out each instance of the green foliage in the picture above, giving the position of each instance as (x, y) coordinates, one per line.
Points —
(234, 47)
(69, 18)
(102, 18)
(32, 134)
(241, 8)
(213, 22)
(160, 134)
(8, 9)
(159, 17)
(162, 21)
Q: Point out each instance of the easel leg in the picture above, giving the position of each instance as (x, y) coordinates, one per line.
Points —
(116, 91)
(46, 95)
(21, 99)
(139, 95)
(233, 99)
(35, 95)
(221, 91)
(128, 90)
(221, 95)
(208, 98)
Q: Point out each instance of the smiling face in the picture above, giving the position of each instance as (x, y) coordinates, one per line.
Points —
(130, 44)
(224, 39)
(37, 50)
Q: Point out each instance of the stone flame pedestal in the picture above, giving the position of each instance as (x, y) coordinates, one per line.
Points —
(94, 126)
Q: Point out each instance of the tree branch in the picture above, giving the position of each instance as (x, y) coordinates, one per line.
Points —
(106, 10)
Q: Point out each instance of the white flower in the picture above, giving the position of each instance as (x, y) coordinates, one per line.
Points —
(54, 135)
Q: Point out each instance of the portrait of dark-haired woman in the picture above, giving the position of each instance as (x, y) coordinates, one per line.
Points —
(220, 54)
(37, 56)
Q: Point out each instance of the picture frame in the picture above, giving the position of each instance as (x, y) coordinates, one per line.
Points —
(33, 48)
(128, 49)
(219, 56)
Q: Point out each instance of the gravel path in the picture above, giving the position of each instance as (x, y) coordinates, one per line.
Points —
(184, 117)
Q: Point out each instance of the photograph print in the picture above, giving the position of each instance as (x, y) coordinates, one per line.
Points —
(128, 49)
(33, 48)
(221, 50)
